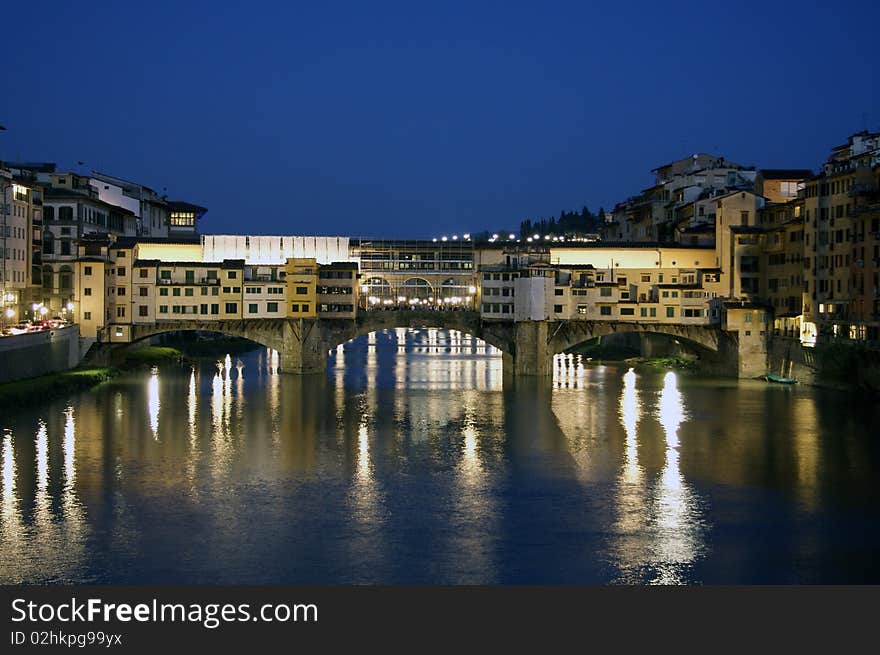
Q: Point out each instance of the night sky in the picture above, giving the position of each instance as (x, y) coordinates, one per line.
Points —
(419, 119)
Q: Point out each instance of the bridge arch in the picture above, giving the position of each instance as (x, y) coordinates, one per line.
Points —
(569, 334)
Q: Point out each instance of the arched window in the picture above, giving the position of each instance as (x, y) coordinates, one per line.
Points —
(377, 287)
(416, 287)
(452, 288)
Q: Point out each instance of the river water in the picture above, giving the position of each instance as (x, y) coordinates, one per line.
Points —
(414, 461)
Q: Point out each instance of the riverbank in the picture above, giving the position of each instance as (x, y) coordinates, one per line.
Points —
(23, 392)
(53, 385)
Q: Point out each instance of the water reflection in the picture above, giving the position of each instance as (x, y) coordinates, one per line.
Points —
(153, 401)
(660, 522)
(413, 461)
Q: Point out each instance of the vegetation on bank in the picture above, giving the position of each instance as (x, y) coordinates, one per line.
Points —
(53, 385)
(151, 356)
(23, 392)
(677, 362)
(599, 351)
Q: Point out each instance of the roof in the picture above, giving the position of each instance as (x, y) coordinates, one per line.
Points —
(112, 179)
(131, 242)
(181, 206)
(785, 173)
(36, 167)
(55, 193)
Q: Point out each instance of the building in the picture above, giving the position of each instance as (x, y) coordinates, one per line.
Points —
(416, 272)
(837, 204)
(119, 283)
(20, 256)
(681, 192)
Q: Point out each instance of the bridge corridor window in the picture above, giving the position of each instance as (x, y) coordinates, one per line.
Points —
(272, 307)
(605, 310)
(163, 309)
(231, 307)
(253, 308)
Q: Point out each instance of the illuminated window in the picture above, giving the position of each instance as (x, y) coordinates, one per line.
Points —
(183, 219)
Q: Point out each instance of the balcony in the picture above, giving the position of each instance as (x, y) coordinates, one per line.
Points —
(209, 280)
(862, 190)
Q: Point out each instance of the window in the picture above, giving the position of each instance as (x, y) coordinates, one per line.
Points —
(582, 309)
(301, 290)
(231, 275)
(120, 291)
(143, 272)
(670, 312)
(87, 270)
(175, 291)
(605, 291)
(646, 278)
(294, 307)
(120, 271)
(165, 275)
(142, 310)
(231, 307)
(215, 291)
(557, 309)
(163, 291)
(627, 311)
(605, 310)
(87, 316)
(643, 311)
(87, 291)
(203, 309)
(271, 306)
(305, 308)
(653, 312)
(163, 309)
(252, 308)
(215, 308)
(188, 292)
(120, 312)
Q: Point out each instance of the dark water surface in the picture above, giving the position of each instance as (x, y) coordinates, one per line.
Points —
(413, 461)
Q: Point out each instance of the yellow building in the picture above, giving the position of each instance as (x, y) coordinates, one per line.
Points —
(301, 277)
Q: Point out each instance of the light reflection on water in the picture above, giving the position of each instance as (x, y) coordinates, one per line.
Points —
(414, 460)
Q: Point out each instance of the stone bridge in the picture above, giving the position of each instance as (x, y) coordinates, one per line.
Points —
(527, 347)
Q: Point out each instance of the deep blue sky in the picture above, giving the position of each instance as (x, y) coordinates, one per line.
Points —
(414, 118)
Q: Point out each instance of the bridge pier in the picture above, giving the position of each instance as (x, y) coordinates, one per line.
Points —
(532, 355)
(303, 350)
